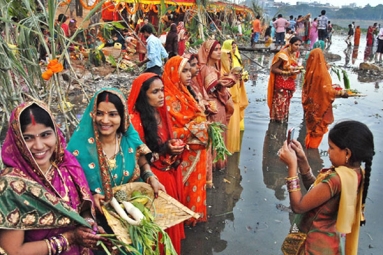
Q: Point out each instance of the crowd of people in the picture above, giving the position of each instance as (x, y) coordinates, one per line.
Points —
(53, 193)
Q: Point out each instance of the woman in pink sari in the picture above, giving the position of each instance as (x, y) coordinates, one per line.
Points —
(313, 33)
(209, 56)
(46, 205)
(181, 38)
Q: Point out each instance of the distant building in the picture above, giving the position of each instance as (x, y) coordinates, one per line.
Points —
(352, 6)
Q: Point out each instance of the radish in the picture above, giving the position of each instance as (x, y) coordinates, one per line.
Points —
(132, 211)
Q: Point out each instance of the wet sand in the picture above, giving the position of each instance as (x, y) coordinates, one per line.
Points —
(248, 208)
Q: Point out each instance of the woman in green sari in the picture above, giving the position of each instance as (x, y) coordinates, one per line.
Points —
(109, 149)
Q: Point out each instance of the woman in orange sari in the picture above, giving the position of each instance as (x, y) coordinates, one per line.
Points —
(357, 36)
(189, 124)
(318, 94)
(146, 104)
(209, 56)
(282, 80)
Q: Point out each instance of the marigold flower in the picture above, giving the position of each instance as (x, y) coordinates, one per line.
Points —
(47, 74)
(55, 66)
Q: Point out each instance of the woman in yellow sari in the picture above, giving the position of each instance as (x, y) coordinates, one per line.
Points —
(239, 96)
(238, 91)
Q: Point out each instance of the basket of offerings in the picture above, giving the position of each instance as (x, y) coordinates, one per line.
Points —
(165, 211)
(111, 51)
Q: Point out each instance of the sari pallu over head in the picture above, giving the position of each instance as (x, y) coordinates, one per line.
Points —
(31, 201)
(288, 61)
(208, 79)
(236, 56)
(317, 95)
(86, 146)
(177, 94)
(135, 117)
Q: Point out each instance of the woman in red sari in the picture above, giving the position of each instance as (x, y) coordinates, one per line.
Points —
(282, 80)
(150, 118)
(209, 56)
(189, 124)
(370, 35)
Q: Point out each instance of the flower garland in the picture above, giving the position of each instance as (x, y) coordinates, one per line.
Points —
(54, 66)
(86, 6)
(154, 8)
(135, 6)
(147, 9)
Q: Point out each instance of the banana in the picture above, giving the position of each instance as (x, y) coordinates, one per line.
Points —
(141, 199)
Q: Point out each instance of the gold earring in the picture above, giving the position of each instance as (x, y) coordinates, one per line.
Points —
(346, 159)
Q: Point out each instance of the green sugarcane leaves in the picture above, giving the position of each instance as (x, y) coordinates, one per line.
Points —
(217, 141)
(346, 80)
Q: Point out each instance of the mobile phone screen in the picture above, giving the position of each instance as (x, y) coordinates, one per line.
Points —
(290, 135)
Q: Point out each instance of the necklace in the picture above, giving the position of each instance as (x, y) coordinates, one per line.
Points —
(112, 160)
(114, 176)
(47, 172)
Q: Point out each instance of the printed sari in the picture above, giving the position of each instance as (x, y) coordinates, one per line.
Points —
(164, 166)
(209, 78)
(281, 87)
(189, 124)
(42, 206)
(341, 214)
(86, 146)
(318, 95)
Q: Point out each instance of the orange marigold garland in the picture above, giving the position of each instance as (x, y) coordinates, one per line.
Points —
(86, 6)
(154, 8)
(54, 66)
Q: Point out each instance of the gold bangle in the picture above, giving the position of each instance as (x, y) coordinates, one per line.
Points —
(292, 190)
(291, 178)
(49, 246)
(67, 242)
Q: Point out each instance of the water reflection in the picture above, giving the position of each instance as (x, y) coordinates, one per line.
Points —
(355, 54)
(274, 170)
(221, 201)
(368, 54)
(347, 53)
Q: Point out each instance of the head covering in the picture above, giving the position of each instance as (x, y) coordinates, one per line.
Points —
(317, 97)
(225, 63)
(173, 87)
(236, 56)
(319, 44)
(86, 146)
(59, 195)
(208, 78)
(173, 28)
(205, 51)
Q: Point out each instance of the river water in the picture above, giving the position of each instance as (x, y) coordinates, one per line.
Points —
(249, 206)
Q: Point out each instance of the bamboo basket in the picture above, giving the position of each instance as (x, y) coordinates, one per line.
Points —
(111, 51)
(167, 210)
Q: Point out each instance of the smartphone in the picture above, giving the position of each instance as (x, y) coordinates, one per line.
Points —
(290, 135)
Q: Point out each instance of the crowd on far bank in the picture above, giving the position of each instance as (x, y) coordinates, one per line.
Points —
(312, 29)
(53, 192)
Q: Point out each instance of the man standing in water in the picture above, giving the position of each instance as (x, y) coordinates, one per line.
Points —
(322, 26)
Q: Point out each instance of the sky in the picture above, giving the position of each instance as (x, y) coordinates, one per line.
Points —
(359, 3)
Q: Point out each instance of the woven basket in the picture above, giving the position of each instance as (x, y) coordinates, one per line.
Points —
(168, 211)
(111, 51)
